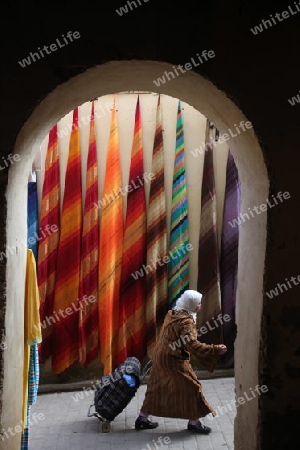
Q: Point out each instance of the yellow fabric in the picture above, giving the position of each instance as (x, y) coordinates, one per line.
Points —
(32, 324)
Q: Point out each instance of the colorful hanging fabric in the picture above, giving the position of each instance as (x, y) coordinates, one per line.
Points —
(33, 369)
(110, 251)
(229, 258)
(32, 333)
(178, 276)
(157, 244)
(208, 256)
(66, 316)
(132, 327)
(48, 243)
(32, 218)
(33, 383)
(88, 290)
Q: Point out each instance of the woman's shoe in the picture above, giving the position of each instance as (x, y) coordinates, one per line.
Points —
(145, 424)
(199, 428)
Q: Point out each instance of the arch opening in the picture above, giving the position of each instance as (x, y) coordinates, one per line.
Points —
(213, 104)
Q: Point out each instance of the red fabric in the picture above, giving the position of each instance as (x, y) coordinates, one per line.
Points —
(48, 243)
(65, 327)
(132, 327)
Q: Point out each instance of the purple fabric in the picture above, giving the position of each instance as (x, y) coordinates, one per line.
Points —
(229, 258)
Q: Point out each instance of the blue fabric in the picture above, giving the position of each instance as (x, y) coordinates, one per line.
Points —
(130, 380)
(26, 434)
(32, 218)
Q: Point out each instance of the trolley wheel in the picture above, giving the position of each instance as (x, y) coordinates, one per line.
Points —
(105, 427)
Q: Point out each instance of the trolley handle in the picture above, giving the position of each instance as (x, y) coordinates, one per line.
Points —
(89, 411)
(146, 370)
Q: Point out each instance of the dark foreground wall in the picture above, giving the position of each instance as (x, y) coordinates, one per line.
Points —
(258, 72)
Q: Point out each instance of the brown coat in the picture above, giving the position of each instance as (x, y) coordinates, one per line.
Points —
(173, 388)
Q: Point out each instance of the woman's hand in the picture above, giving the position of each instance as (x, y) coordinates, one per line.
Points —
(222, 349)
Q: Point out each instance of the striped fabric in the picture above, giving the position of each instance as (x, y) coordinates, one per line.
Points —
(33, 383)
(34, 369)
(179, 239)
(157, 277)
(48, 246)
(229, 258)
(32, 218)
(25, 438)
(208, 256)
(132, 327)
(65, 327)
(110, 251)
(88, 290)
(32, 332)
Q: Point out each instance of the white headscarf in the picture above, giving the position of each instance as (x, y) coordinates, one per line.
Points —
(188, 302)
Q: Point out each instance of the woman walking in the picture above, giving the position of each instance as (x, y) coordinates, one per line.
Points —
(173, 389)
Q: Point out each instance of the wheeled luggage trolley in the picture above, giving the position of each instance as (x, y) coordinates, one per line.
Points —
(115, 391)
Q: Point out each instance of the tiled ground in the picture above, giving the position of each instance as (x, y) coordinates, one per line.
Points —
(66, 425)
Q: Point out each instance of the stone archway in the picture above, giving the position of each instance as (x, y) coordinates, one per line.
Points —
(198, 92)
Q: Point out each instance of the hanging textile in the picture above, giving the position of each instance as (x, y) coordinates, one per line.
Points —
(32, 337)
(132, 327)
(32, 218)
(65, 326)
(229, 258)
(48, 244)
(178, 276)
(110, 251)
(208, 256)
(33, 383)
(88, 290)
(157, 276)
(33, 369)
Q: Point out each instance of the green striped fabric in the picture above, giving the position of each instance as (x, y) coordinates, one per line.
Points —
(178, 271)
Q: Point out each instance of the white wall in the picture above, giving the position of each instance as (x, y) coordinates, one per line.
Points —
(194, 135)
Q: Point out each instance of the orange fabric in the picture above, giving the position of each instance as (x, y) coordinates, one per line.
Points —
(88, 290)
(110, 251)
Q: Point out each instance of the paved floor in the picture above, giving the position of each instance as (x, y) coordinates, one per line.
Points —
(63, 424)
